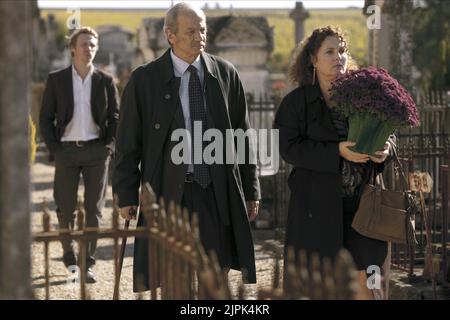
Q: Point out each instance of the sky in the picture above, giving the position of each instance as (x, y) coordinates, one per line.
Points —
(315, 4)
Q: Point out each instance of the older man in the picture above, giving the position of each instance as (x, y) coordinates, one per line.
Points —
(187, 87)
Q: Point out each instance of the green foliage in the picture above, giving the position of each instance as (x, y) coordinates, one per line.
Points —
(93, 18)
(61, 34)
(350, 20)
(284, 41)
(431, 43)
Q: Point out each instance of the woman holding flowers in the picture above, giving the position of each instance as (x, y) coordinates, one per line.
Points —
(327, 177)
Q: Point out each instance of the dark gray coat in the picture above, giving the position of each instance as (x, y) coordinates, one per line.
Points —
(150, 111)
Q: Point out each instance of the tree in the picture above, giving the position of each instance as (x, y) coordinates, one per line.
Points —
(431, 47)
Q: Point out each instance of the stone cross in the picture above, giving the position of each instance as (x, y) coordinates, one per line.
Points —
(299, 15)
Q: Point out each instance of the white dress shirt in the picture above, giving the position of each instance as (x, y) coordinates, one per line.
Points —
(82, 126)
(180, 70)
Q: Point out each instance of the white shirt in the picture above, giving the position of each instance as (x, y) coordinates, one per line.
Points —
(180, 70)
(82, 126)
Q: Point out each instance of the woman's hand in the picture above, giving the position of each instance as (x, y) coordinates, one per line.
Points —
(349, 155)
(380, 156)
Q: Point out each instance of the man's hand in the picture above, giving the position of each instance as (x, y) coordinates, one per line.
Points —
(349, 155)
(252, 209)
(128, 213)
(382, 154)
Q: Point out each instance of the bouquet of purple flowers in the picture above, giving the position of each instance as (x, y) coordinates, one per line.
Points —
(375, 104)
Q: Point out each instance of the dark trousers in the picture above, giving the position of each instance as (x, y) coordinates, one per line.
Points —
(92, 161)
(214, 235)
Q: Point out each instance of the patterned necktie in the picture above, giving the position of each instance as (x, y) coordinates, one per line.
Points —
(198, 113)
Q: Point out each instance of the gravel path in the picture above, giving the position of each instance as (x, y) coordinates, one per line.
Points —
(60, 286)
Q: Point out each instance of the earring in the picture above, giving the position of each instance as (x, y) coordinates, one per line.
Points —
(314, 75)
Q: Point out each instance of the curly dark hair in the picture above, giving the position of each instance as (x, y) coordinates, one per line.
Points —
(301, 69)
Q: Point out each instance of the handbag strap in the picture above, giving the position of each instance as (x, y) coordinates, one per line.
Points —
(368, 176)
(403, 181)
(371, 175)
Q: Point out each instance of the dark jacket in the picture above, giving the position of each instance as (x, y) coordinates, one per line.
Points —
(309, 141)
(150, 111)
(58, 103)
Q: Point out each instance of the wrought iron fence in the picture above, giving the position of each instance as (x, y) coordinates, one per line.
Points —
(312, 278)
(427, 149)
(274, 188)
(444, 247)
(179, 267)
(174, 246)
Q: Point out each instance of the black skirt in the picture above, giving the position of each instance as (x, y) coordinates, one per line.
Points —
(365, 251)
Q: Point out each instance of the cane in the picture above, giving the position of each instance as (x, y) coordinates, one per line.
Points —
(132, 213)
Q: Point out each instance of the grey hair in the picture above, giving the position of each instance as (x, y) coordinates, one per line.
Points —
(170, 21)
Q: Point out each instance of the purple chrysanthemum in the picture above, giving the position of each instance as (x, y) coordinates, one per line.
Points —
(372, 91)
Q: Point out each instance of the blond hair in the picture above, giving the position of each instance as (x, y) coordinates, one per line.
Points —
(72, 39)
